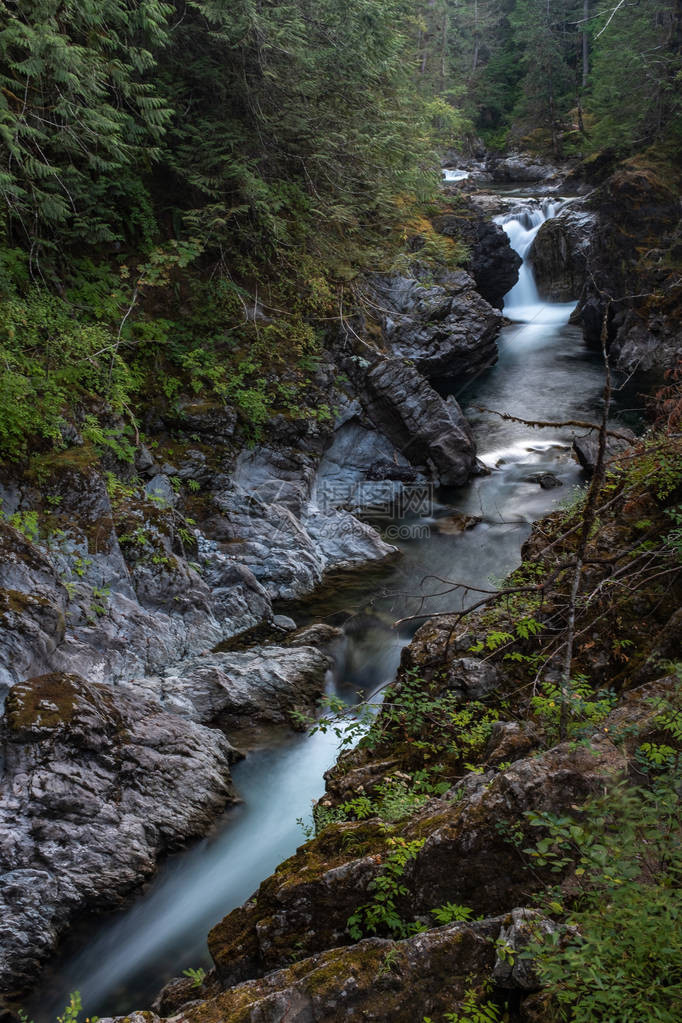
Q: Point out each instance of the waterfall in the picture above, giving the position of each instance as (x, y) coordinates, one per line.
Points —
(523, 303)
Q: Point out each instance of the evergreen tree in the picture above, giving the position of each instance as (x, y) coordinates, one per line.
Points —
(636, 73)
(77, 110)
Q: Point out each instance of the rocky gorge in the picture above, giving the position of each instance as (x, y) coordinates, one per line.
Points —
(142, 647)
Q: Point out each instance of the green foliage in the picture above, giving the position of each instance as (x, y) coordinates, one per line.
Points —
(70, 1014)
(197, 976)
(640, 45)
(451, 912)
(626, 949)
(71, 1011)
(77, 111)
(397, 797)
(381, 915)
(49, 360)
(585, 709)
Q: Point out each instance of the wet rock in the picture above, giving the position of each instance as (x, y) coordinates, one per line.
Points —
(638, 222)
(262, 684)
(452, 525)
(284, 623)
(494, 264)
(97, 784)
(560, 253)
(319, 635)
(423, 426)
(447, 329)
(546, 480)
(587, 448)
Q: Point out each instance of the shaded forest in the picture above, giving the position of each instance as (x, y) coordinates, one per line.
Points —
(192, 188)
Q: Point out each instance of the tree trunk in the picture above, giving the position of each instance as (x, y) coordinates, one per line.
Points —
(586, 43)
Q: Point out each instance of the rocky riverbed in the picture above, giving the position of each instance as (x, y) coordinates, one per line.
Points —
(138, 634)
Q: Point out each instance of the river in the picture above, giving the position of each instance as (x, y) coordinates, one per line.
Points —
(118, 962)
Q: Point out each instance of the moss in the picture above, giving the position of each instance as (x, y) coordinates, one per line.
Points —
(48, 702)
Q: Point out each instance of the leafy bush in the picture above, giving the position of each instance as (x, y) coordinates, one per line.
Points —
(623, 959)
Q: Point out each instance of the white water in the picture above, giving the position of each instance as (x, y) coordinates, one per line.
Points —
(523, 302)
(453, 174)
(543, 372)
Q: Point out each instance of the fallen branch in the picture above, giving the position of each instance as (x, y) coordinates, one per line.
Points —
(580, 424)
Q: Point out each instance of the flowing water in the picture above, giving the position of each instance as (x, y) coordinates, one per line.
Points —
(544, 372)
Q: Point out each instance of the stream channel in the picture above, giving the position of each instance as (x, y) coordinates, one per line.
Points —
(120, 961)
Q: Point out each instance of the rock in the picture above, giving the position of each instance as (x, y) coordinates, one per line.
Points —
(447, 329)
(419, 422)
(470, 679)
(144, 460)
(234, 689)
(214, 423)
(318, 635)
(363, 471)
(512, 969)
(380, 980)
(70, 435)
(238, 600)
(587, 448)
(521, 167)
(560, 253)
(547, 480)
(289, 555)
(384, 469)
(638, 222)
(160, 490)
(194, 468)
(465, 858)
(494, 264)
(452, 525)
(284, 623)
(510, 741)
(97, 785)
(178, 993)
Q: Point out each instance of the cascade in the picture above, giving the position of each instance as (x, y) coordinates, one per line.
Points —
(523, 302)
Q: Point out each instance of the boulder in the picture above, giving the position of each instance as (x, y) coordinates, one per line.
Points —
(522, 167)
(559, 254)
(262, 685)
(289, 555)
(493, 263)
(586, 448)
(465, 858)
(97, 785)
(446, 328)
(513, 968)
(422, 425)
(631, 260)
